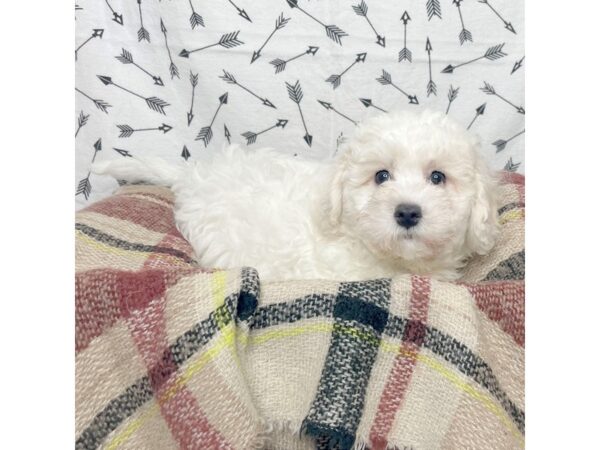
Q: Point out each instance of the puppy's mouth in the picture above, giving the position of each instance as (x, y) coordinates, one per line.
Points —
(403, 234)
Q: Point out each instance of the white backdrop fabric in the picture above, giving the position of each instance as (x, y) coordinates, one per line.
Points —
(151, 76)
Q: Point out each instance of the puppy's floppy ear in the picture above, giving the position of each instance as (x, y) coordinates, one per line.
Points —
(336, 189)
(483, 223)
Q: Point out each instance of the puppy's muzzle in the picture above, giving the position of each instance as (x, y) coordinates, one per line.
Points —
(408, 215)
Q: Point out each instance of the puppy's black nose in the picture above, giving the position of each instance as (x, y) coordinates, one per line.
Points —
(408, 215)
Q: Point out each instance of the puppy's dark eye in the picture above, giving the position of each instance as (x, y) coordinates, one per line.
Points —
(437, 177)
(382, 176)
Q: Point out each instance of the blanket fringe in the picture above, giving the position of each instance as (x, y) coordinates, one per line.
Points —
(260, 440)
(296, 430)
(360, 444)
(286, 426)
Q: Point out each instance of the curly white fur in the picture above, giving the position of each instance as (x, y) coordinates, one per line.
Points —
(294, 218)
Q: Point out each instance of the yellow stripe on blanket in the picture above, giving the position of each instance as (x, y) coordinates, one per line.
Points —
(222, 315)
(487, 401)
(218, 281)
(510, 216)
(132, 428)
(225, 340)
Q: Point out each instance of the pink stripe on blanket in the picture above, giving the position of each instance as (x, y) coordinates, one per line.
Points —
(100, 297)
(513, 178)
(397, 384)
(518, 181)
(143, 302)
(504, 303)
(188, 424)
(96, 305)
(146, 213)
(137, 289)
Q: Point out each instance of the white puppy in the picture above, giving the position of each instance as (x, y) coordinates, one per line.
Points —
(408, 193)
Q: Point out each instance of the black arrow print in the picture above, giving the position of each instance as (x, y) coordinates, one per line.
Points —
(452, 94)
(194, 82)
(434, 9)
(142, 32)
(195, 19)
(251, 136)
(369, 104)
(362, 10)
(154, 103)
(279, 24)
(464, 35)
(228, 40)
(507, 24)
(478, 112)
(124, 153)
(333, 31)
(240, 11)
(116, 17)
(226, 131)
(491, 53)
(280, 64)
(501, 143)
(517, 65)
(489, 90)
(96, 32)
(126, 58)
(205, 133)
(185, 153)
(335, 80)
(97, 148)
(295, 94)
(81, 121)
(127, 131)
(329, 106)
(229, 78)
(85, 187)
(386, 79)
(511, 166)
(172, 67)
(100, 104)
(405, 53)
(431, 87)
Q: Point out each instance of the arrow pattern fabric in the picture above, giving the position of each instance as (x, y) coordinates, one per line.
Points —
(299, 75)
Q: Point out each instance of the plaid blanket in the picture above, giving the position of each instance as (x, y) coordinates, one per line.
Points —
(170, 355)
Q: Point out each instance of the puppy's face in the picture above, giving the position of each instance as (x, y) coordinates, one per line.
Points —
(413, 187)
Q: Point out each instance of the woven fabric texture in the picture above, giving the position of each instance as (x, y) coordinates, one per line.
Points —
(170, 355)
